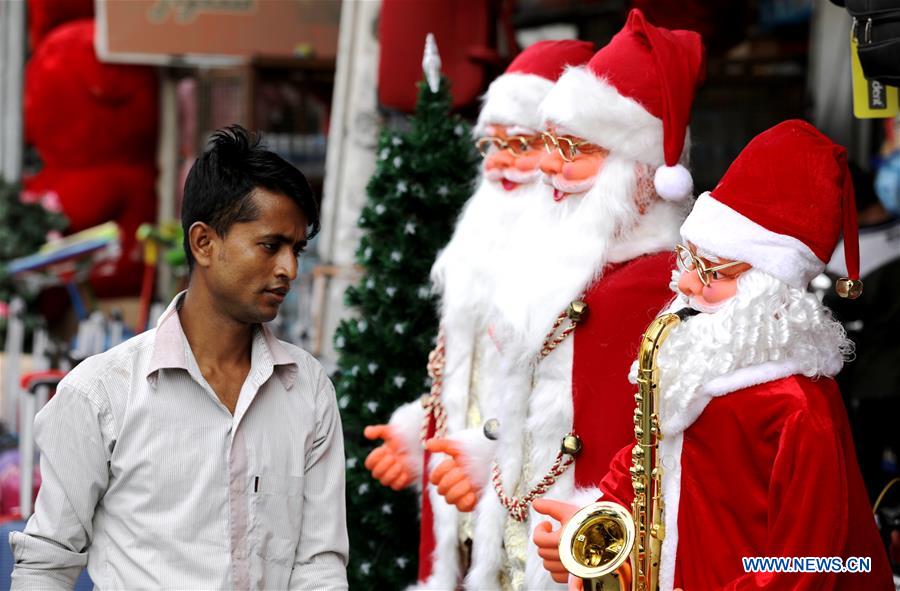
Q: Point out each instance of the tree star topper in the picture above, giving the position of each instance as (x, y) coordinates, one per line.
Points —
(431, 63)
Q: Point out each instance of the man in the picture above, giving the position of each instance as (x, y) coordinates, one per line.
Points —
(203, 454)
(756, 454)
(465, 277)
(601, 240)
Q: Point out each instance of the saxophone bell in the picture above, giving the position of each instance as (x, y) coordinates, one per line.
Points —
(596, 542)
(608, 546)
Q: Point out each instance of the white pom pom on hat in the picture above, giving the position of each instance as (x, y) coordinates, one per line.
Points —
(673, 183)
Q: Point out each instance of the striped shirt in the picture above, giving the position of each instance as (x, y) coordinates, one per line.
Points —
(150, 482)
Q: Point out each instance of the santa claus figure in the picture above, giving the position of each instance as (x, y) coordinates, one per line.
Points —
(508, 136)
(592, 271)
(756, 454)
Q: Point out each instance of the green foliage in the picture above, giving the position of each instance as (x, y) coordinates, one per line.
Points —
(24, 225)
(422, 179)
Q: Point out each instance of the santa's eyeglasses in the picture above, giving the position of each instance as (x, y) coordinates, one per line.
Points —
(567, 147)
(688, 261)
(515, 145)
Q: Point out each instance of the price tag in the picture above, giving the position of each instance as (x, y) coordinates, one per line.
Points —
(871, 99)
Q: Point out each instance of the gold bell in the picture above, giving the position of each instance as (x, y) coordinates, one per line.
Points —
(571, 444)
(849, 288)
(577, 310)
(492, 429)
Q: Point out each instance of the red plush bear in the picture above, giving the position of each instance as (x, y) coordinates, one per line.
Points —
(95, 127)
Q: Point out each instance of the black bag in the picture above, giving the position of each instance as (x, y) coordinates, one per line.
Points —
(876, 26)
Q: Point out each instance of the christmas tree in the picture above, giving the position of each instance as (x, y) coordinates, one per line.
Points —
(422, 179)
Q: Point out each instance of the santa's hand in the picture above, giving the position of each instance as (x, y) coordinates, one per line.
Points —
(450, 477)
(388, 462)
(547, 540)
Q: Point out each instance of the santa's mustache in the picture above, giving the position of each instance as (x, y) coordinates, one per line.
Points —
(567, 186)
(513, 175)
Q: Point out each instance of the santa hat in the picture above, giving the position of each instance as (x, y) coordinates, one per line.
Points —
(634, 97)
(781, 207)
(513, 98)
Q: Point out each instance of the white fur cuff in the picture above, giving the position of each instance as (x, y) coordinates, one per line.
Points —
(478, 455)
(406, 423)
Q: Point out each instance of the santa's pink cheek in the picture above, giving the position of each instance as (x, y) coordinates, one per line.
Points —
(719, 291)
(581, 169)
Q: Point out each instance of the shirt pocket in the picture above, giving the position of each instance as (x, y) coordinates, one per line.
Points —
(277, 516)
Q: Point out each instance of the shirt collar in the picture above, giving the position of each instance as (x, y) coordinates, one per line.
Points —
(268, 353)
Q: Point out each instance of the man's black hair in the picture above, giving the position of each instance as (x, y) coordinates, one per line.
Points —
(219, 187)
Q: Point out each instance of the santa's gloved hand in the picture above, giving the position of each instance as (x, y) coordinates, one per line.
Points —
(547, 539)
(450, 476)
(388, 462)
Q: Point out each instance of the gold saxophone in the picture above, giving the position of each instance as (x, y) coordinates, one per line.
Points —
(598, 541)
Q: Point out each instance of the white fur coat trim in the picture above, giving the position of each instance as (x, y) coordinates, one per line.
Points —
(513, 99)
(656, 231)
(445, 573)
(478, 454)
(673, 428)
(544, 415)
(406, 422)
(718, 229)
(593, 109)
(670, 457)
(689, 410)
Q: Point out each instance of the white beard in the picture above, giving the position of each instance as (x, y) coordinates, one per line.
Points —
(766, 321)
(465, 271)
(558, 249)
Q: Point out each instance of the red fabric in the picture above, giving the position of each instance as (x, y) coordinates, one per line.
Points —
(45, 15)
(549, 59)
(80, 112)
(769, 470)
(95, 126)
(461, 29)
(850, 227)
(658, 68)
(790, 179)
(426, 528)
(621, 306)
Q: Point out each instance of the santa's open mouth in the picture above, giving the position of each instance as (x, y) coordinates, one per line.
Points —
(508, 184)
(563, 188)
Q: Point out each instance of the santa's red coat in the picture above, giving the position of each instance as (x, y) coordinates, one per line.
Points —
(768, 470)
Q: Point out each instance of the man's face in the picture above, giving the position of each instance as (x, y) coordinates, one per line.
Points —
(572, 164)
(251, 268)
(520, 163)
(718, 284)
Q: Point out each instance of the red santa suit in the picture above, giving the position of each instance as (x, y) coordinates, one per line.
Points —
(610, 248)
(765, 470)
(757, 457)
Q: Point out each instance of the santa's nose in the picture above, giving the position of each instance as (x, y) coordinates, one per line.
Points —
(689, 283)
(499, 159)
(552, 163)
